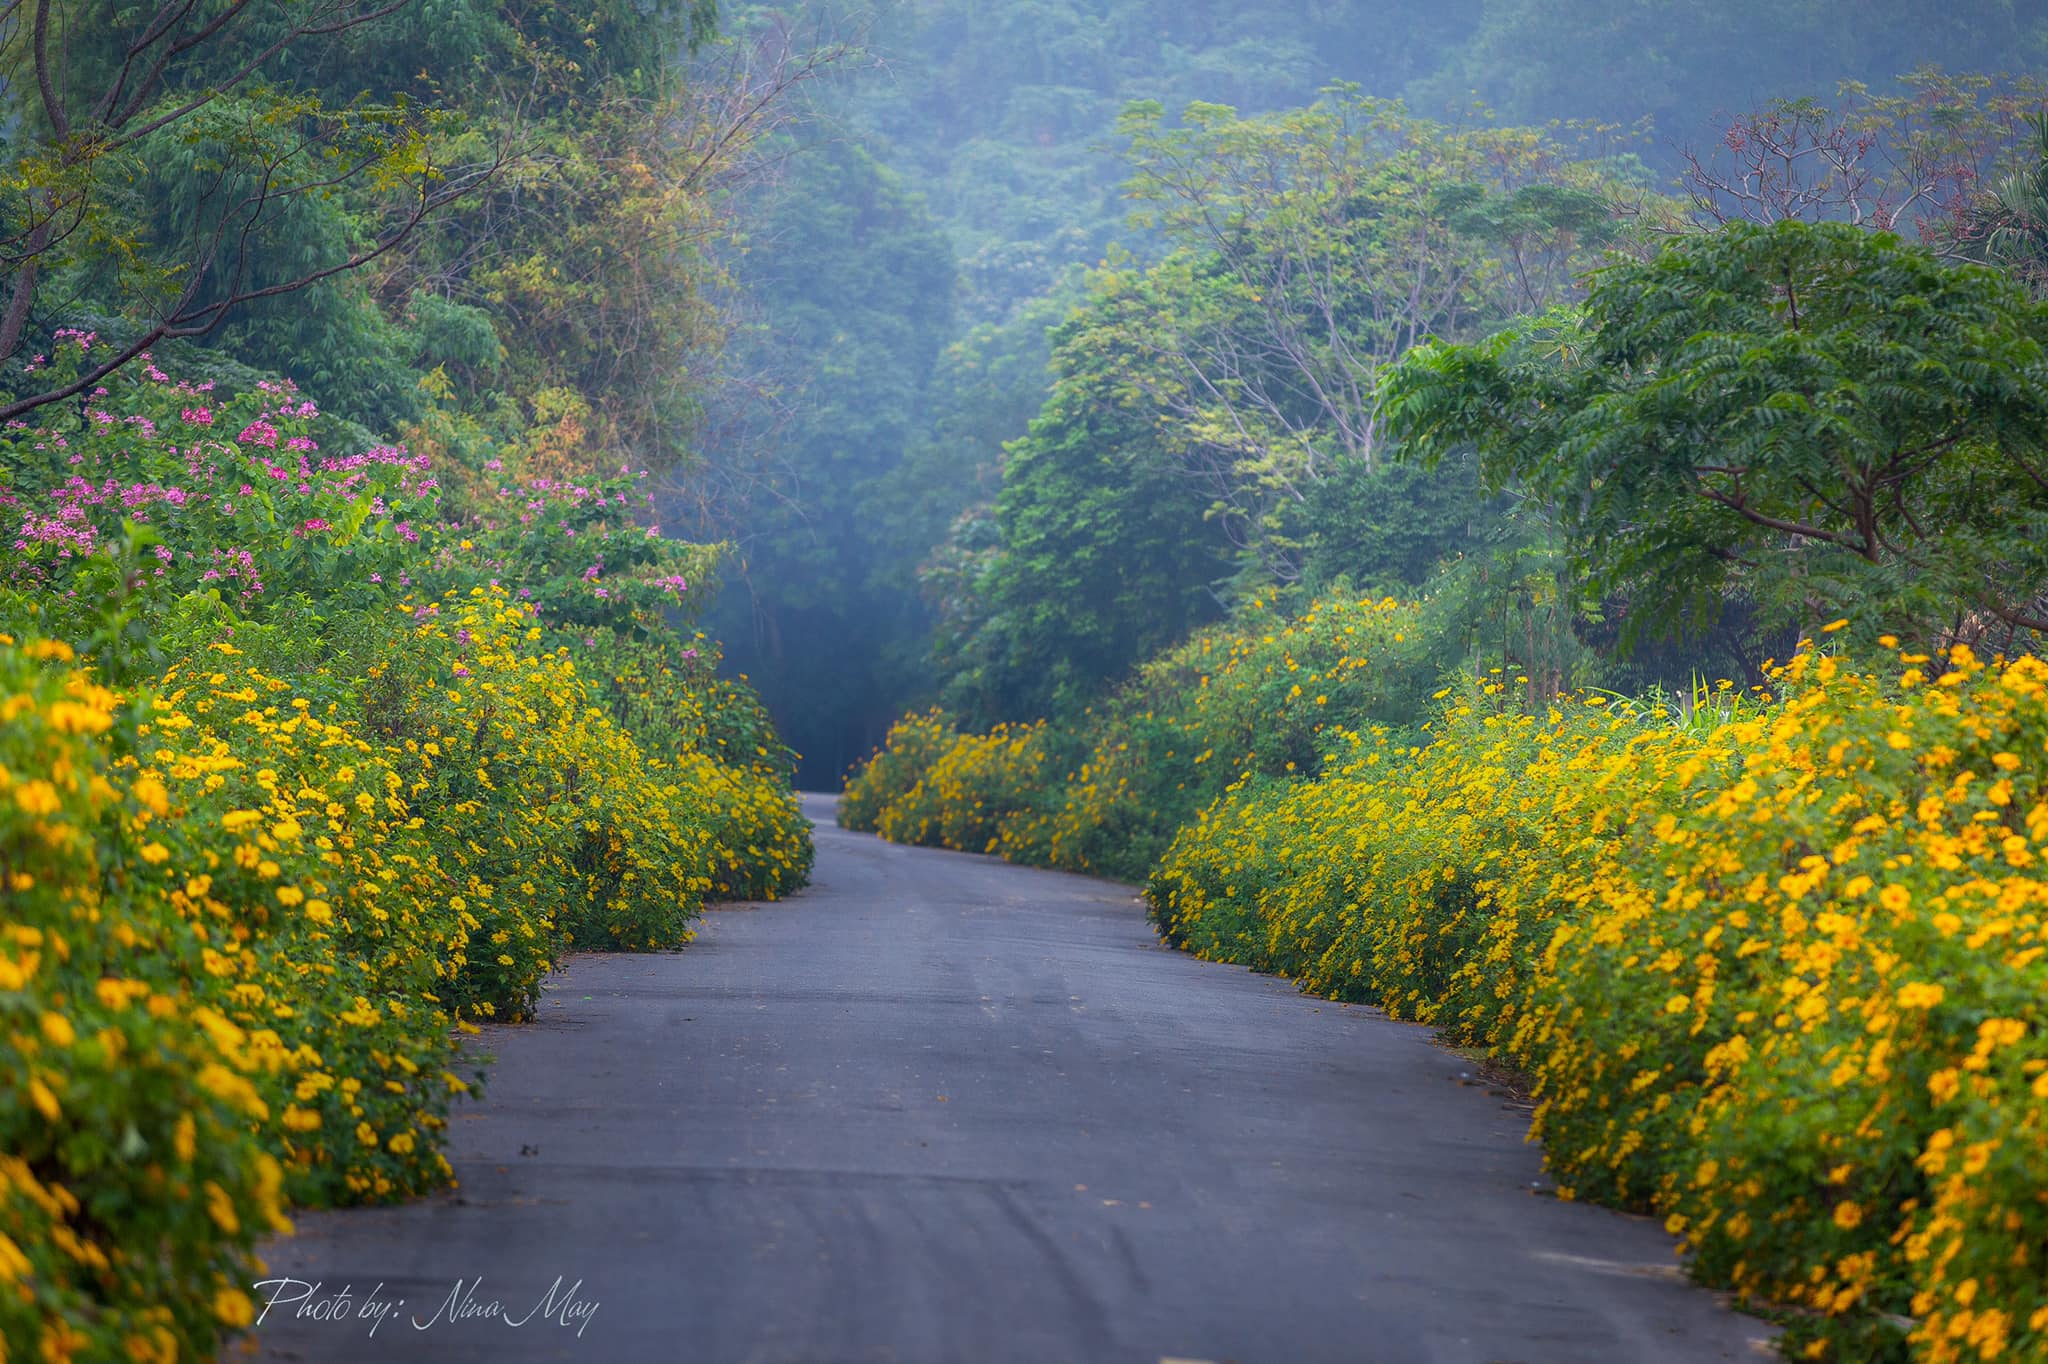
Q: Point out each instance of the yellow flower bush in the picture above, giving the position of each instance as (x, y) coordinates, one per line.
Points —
(1258, 697)
(971, 792)
(242, 923)
(297, 902)
(727, 752)
(759, 841)
(1857, 908)
(1779, 980)
(133, 1173)
(908, 751)
(623, 848)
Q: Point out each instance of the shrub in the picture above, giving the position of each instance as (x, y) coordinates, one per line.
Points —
(546, 818)
(974, 788)
(325, 768)
(1264, 696)
(760, 840)
(1778, 978)
(1833, 957)
(133, 1179)
(295, 899)
(907, 753)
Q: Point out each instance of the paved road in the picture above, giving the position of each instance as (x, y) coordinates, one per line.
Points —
(941, 1110)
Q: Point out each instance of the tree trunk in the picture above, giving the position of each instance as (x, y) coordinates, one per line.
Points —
(15, 320)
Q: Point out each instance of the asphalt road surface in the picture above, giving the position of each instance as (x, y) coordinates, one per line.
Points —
(941, 1110)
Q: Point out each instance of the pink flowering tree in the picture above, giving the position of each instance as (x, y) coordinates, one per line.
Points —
(168, 512)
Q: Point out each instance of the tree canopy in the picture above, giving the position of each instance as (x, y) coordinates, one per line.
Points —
(1829, 419)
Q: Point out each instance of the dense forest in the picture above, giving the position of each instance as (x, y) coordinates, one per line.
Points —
(973, 182)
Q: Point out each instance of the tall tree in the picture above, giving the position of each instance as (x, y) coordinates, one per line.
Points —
(117, 109)
(1103, 552)
(1826, 418)
(1312, 249)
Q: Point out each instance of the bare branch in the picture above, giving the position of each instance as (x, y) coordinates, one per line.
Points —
(46, 79)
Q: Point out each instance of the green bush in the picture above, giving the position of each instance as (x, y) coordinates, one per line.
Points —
(1266, 696)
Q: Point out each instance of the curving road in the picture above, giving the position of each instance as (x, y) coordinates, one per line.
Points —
(941, 1110)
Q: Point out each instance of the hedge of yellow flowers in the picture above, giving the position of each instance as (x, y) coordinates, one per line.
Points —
(243, 924)
(1261, 695)
(131, 1166)
(1780, 980)
(912, 745)
(965, 798)
(759, 841)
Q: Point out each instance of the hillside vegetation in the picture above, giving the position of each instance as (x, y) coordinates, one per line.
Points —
(972, 169)
(347, 681)
(1636, 675)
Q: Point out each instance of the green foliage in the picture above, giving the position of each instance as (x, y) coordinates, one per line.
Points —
(984, 391)
(1264, 697)
(172, 172)
(1106, 558)
(1313, 248)
(1215, 423)
(1678, 65)
(1825, 418)
(1390, 525)
(516, 196)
